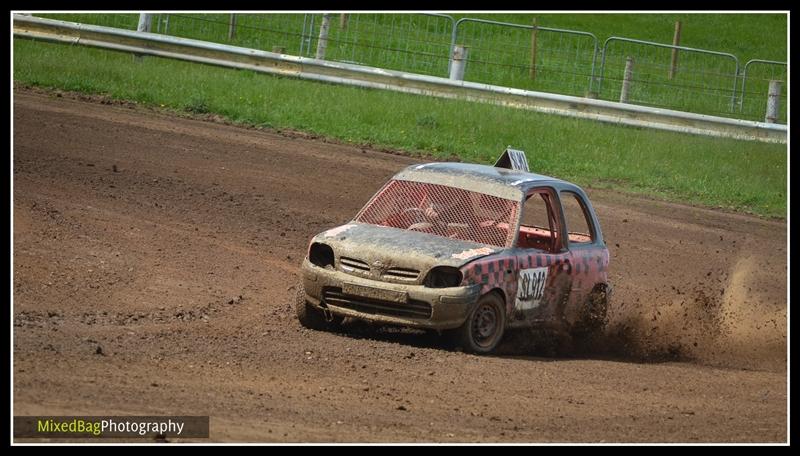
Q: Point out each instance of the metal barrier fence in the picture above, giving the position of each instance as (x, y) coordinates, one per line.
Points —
(269, 32)
(417, 43)
(527, 56)
(756, 77)
(523, 56)
(703, 81)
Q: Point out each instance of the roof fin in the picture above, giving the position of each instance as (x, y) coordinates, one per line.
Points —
(513, 159)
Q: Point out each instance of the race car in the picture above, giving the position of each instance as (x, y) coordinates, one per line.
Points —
(465, 249)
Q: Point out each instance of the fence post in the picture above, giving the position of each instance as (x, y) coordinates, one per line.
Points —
(322, 45)
(533, 49)
(458, 63)
(303, 35)
(626, 80)
(343, 21)
(145, 23)
(232, 27)
(676, 40)
(773, 102)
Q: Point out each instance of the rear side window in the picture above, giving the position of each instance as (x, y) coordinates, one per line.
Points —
(579, 224)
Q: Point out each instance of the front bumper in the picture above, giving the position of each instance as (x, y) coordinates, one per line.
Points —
(449, 307)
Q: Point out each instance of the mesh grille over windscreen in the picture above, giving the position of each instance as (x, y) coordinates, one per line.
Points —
(443, 211)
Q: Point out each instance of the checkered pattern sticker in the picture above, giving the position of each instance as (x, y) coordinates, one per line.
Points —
(582, 269)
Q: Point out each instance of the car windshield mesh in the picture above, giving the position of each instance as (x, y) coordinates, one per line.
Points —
(443, 211)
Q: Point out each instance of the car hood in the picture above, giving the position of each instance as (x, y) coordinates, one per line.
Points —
(394, 247)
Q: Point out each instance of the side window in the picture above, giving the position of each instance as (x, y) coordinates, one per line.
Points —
(579, 226)
(538, 228)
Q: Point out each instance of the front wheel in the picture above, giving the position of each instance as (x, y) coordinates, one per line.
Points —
(484, 328)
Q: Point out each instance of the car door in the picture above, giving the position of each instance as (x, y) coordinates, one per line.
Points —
(544, 261)
(588, 255)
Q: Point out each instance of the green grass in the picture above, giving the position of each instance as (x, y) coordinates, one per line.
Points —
(740, 175)
(502, 55)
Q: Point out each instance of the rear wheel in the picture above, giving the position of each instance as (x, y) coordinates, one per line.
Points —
(594, 315)
(311, 317)
(484, 328)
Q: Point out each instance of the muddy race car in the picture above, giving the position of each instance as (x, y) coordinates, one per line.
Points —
(469, 250)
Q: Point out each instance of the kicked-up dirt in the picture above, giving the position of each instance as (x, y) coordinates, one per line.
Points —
(155, 260)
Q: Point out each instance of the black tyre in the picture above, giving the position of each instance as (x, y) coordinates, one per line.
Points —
(485, 326)
(309, 316)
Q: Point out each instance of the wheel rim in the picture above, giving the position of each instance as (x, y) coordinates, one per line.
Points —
(485, 325)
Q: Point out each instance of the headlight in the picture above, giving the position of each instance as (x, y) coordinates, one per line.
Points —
(320, 255)
(443, 277)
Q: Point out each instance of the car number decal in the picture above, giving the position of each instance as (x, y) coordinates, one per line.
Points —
(530, 288)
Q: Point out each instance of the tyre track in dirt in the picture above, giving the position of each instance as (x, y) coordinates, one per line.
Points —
(155, 259)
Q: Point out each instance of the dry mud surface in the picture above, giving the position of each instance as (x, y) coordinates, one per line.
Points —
(155, 259)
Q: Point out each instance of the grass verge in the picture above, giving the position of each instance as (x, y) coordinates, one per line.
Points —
(739, 175)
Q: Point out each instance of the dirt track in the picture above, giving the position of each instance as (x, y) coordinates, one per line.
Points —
(154, 265)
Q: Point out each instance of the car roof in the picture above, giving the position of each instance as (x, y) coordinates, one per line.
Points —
(500, 182)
